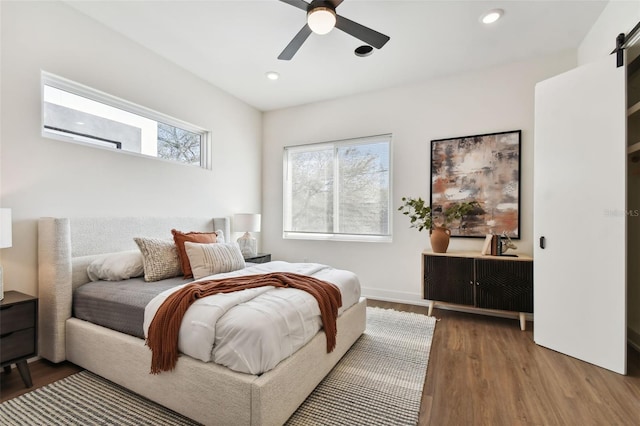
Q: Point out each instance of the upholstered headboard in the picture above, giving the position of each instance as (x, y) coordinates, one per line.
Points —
(67, 246)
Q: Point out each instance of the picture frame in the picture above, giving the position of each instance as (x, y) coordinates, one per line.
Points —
(483, 168)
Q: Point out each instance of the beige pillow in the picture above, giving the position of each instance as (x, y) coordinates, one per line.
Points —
(209, 259)
(159, 257)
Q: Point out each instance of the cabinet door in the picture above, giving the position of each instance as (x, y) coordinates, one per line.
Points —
(579, 209)
(504, 284)
(448, 279)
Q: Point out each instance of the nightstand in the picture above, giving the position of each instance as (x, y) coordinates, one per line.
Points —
(18, 332)
(259, 258)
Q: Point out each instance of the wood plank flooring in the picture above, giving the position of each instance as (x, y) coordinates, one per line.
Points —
(43, 372)
(486, 371)
(483, 371)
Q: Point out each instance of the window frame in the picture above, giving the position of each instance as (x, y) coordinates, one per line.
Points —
(335, 236)
(78, 89)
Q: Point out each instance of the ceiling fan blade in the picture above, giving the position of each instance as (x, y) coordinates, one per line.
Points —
(336, 3)
(295, 44)
(361, 32)
(300, 4)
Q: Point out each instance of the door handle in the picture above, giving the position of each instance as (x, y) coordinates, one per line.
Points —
(543, 242)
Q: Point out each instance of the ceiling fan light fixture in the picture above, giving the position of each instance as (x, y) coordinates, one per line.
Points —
(321, 19)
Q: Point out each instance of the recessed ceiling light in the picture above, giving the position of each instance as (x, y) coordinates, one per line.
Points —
(491, 16)
(364, 50)
(272, 75)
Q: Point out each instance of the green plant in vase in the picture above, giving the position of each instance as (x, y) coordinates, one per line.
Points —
(419, 213)
(421, 217)
(458, 211)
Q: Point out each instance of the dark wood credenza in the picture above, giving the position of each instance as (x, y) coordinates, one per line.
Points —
(486, 282)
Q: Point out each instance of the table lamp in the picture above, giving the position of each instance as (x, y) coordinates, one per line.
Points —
(247, 223)
(5, 239)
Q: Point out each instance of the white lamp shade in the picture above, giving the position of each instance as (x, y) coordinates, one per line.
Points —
(321, 20)
(5, 228)
(246, 222)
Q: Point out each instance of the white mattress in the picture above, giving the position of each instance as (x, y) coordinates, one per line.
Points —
(252, 330)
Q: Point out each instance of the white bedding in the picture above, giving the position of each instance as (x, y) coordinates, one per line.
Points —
(252, 330)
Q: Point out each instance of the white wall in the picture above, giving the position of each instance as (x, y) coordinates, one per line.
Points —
(493, 100)
(44, 177)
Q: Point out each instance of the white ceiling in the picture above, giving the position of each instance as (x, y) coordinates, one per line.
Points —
(232, 44)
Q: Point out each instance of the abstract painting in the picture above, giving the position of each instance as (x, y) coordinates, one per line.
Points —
(482, 168)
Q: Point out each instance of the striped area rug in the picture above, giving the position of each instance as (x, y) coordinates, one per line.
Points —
(378, 382)
(85, 399)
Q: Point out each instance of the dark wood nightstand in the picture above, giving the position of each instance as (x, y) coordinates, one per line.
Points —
(259, 258)
(18, 332)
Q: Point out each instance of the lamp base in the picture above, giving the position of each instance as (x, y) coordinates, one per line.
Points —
(248, 245)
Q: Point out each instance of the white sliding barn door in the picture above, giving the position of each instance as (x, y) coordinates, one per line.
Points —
(579, 209)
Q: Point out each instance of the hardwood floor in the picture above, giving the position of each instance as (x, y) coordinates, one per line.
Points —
(483, 371)
(486, 371)
(42, 373)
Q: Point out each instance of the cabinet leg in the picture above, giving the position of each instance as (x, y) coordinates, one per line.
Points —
(523, 321)
(7, 369)
(431, 304)
(23, 368)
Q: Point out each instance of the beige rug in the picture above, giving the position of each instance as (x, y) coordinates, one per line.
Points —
(378, 381)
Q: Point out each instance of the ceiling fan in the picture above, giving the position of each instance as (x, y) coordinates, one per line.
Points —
(321, 18)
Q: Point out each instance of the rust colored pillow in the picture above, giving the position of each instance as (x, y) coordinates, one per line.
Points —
(192, 237)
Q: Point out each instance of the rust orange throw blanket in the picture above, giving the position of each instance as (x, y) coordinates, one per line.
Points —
(163, 332)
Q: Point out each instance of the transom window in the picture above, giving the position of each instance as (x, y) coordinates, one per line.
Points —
(76, 113)
(339, 190)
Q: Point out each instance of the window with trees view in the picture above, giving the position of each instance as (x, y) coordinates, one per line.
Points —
(76, 113)
(338, 190)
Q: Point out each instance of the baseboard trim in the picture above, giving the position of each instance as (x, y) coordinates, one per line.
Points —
(394, 296)
(417, 300)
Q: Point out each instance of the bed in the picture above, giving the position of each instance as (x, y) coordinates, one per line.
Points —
(204, 391)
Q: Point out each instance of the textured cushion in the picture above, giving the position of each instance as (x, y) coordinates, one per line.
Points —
(116, 266)
(160, 258)
(220, 236)
(193, 237)
(209, 259)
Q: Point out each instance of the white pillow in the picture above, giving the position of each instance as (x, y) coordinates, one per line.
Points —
(219, 236)
(209, 259)
(116, 266)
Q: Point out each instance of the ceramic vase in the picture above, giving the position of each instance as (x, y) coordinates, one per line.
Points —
(440, 239)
